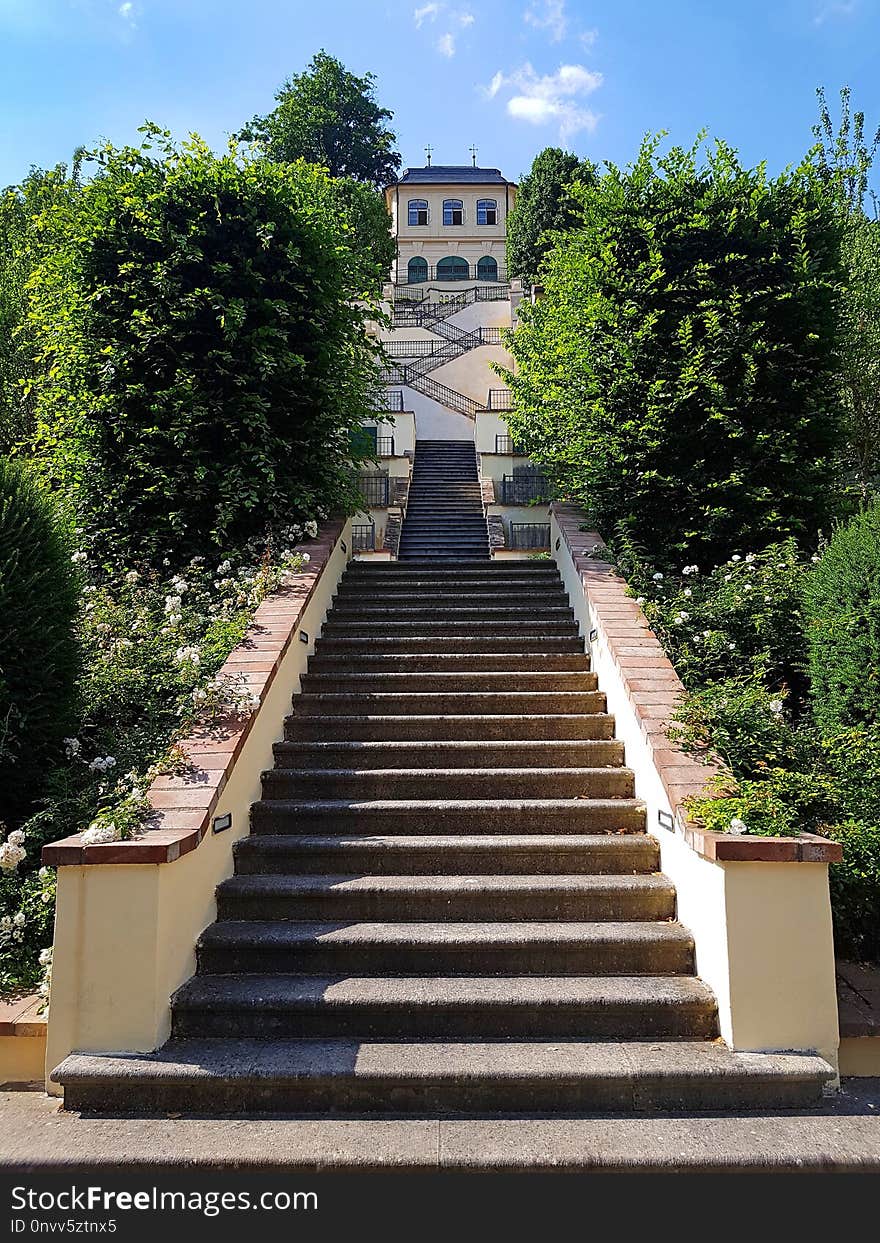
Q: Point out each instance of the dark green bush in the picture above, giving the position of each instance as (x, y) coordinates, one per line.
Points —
(842, 623)
(38, 649)
(855, 890)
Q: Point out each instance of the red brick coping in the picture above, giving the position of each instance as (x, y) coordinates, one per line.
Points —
(653, 688)
(184, 805)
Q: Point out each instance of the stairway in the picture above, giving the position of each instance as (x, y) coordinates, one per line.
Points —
(448, 902)
(444, 512)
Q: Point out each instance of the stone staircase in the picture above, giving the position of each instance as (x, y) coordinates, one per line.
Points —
(444, 512)
(448, 902)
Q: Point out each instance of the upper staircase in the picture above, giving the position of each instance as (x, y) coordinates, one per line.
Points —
(444, 512)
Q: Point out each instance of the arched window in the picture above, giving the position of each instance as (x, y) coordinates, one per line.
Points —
(487, 211)
(417, 270)
(487, 269)
(417, 211)
(454, 268)
(453, 211)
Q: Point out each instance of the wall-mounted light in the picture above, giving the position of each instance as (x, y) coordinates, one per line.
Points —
(303, 637)
(558, 542)
(344, 545)
(221, 823)
(665, 820)
(594, 634)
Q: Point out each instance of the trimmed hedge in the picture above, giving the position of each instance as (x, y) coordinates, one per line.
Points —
(38, 648)
(842, 624)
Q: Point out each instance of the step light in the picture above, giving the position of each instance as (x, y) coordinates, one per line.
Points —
(594, 634)
(303, 637)
(221, 823)
(665, 820)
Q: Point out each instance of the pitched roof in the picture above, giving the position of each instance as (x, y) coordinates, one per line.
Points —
(453, 174)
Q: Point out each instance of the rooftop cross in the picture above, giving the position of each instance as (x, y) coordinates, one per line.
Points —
(428, 152)
(473, 151)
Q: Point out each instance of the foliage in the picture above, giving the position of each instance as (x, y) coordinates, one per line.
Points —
(859, 333)
(842, 620)
(855, 890)
(373, 249)
(38, 649)
(328, 116)
(21, 244)
(678, 377)
(153, 642)
(845, 155)
(202, 356)
(544, 208)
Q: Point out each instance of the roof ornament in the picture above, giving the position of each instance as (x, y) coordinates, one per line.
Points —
(429, 151)
(473, 150)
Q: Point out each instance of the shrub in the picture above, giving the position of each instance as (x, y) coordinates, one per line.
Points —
(855, 890)
(842, 622)
(203, 357)
(679, 375)
(38, 649)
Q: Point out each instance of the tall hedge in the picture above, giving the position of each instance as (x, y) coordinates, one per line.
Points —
(38, 648)
(203, 354)
(842, 623)
(678, 377)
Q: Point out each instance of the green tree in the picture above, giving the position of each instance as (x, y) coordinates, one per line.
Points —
(202, 354)
(328, 116)
(544, 206)
(859, 345)
(679, 376)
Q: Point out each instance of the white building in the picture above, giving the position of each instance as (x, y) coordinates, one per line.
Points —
(450, 224)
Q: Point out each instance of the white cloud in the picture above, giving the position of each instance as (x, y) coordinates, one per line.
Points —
(834, 8)
(446, 44)
(127, 12)
(588, 37)
(427, 12)
(548, 15)
(465, 19)
(555, 97)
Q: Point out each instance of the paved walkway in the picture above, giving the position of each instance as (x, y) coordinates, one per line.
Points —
(844, 1135)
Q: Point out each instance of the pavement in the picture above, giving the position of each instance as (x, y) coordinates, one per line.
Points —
(843, 1135)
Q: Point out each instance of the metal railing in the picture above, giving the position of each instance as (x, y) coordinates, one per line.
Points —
(445, 395)
(385, 446)
(530, 535)
(411, 349)
(504, 444)
(374, 488)
(363, 538)
(461, 272)
(490, 336)
(499, 399)
(391, 400)
(521, 489)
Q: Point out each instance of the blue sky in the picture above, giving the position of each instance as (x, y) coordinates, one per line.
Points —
(511, 76)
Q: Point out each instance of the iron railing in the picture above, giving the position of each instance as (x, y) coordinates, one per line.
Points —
(363, 538)
(504, 444)
(530, 535)
(374, 488)
(445, 395)
(385, 446)
(490, 336)
(410, 349)
(521, 489)
(391, 400)
(462, 272)
(499, 399)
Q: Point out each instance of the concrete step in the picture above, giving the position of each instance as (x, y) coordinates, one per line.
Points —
(448, 728)
(448, 783)
(482, 754)
(572, 896)
(464, 572)
(471, 1077)
(353, 628)
(367, 660)
(451, 598)
(262, 947)
(434, 855)
(448, 817)
(444, 683)
(436, 613)
(440, 703)
(402, 584)
(588, 1007)
(439, 645)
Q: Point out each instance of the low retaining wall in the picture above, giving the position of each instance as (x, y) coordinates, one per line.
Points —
(128, 914)
(22, 1040)
(758, 907)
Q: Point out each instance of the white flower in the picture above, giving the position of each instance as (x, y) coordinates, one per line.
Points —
(98, 834)
(174, 619)
(46, 957)
(747, 587)
(311, 529)
(100, 764)
(199, 695)
(815, 558)
(750, 558)
(224, 567)
(172, 604)
(305, 556)
(707, 634)
(658, 577)
(736, 557)
(728, 577)
(640, 600)
(732, 646)
(687, 592)
(15, 838)
(691, 569)
(681, 617)
(132, 577)
(188, 655)
(775, 707)
(78, 558)
(10, 856)
(738, 826)
(180, 585)
(18, 919)
(44, 873)
(72, 747)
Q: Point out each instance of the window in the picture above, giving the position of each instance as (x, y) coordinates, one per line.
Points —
(417, 211)
(417, 270)
(487, 269)
(454, 268)
(453, 211)
(487, 211)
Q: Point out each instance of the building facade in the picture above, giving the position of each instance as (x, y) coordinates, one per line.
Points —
(450, 224)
